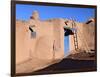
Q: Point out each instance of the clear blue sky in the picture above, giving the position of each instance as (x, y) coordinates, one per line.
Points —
(23, 12)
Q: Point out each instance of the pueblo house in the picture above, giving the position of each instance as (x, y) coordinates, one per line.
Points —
(40, 43)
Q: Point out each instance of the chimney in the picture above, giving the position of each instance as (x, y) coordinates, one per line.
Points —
(35, 15)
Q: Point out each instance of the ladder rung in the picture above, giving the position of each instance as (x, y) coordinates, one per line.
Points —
(75, 45)
(75, 35)
(75, 38)
(75, 41)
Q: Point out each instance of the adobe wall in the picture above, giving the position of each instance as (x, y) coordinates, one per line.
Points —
(85, 36)
(44, 49)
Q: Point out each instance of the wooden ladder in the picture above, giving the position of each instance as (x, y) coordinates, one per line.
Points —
(75, 36)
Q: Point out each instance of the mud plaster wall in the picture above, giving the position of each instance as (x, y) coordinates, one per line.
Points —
(44, 49)
(85, 36)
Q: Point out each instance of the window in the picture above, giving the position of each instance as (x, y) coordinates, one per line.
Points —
(33, 33)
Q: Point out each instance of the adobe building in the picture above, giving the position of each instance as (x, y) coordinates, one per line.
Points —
(85, 37)
(40, 43)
